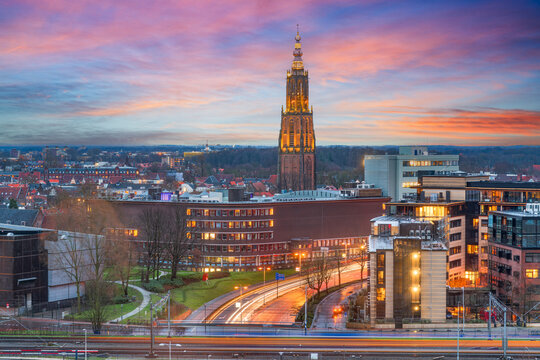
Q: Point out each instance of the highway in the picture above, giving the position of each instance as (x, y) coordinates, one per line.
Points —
(263, 305)
(325, 317)
(297, 348)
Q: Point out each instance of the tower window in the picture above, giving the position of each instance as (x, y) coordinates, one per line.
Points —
(291, 134)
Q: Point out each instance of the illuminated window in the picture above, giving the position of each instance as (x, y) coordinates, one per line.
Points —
(472, 249)
(188, 212)
(271, 223)
(381, 294)
(271, 211)
(531, 273)
(380, 277)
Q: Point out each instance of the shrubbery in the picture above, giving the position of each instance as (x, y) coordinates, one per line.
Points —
(153, 286)
(166, 280)
(121, 299)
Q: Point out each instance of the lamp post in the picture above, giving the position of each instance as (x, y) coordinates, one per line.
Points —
(300, 255)
(169, 313)
(458, 332)
(170, 351)
(85, 346)
(305, 313)
(264, 268)
(241, 301)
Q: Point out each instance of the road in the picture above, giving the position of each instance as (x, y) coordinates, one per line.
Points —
(325, 318)
(264, 306)
(298, 348)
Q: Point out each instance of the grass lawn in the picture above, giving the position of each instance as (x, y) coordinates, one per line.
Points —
(196, 294)
(114, 311)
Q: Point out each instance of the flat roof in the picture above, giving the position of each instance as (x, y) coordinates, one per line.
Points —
(516, 213)
(503, 185)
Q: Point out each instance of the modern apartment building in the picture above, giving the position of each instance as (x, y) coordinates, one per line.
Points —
(407, 262)
(397, 175)
(463, 202)
(514, 256)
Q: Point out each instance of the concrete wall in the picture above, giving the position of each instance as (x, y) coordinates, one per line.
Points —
(389, 283)
(433, 285)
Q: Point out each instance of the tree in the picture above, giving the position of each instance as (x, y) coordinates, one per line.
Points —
(68, 254)
(317, 272)
(153, 224)
(362, 258)
(89, 221)
(178, 239)
(121, 259)
(99, 294)
(13, 204)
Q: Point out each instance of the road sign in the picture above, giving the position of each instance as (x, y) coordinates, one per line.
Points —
(280, 276)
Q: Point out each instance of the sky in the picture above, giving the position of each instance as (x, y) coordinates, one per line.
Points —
(187, 72)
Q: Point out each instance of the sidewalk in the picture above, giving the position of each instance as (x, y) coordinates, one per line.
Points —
(146, 300)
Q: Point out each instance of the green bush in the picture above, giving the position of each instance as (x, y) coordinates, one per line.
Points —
(120, 299)
(153, 286)
(166, 280)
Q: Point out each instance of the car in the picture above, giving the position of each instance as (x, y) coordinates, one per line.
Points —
(449, 315)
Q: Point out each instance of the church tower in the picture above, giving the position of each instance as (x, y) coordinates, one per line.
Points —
(296, 163)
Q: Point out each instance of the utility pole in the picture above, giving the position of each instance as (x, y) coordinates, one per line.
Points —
(151, 354)
(463, 300)
(305, 313)
(458, 332)
(169, 314)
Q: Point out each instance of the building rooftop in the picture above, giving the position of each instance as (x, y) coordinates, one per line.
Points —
(503, 185)
(18, 216)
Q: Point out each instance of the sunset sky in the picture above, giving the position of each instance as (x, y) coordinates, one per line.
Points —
(184, 72)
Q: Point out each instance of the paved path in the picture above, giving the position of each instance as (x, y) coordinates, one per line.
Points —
(146, 300)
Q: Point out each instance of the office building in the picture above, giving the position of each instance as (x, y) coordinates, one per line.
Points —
(407, 262)
(397, 175)
(242, 235)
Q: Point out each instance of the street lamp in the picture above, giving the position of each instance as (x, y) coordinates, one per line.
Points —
(264, 268)
(300, 256)
(163, 344)
(242, 288)
(85, 346)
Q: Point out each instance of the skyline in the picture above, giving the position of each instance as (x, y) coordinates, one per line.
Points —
(184, 73)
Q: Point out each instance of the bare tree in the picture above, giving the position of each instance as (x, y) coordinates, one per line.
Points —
(67, 254)
(317, 272)
(121, 259)
(361, 259)
(153, 222)
(178, 239)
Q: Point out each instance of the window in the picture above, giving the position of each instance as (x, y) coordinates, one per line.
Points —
(454, 264)
(380, 260)
(532, 258)
(385, 229)
(472, 249)
(455, 250)
(455, 237)
(531, 273)
(381, 294)
(380, 277)
(455, 223)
